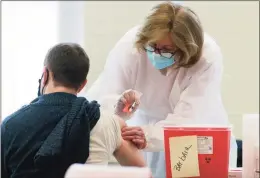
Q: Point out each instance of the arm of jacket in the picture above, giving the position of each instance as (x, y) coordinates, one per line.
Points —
(197, 101)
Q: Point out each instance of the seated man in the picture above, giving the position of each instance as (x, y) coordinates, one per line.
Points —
(57, 129)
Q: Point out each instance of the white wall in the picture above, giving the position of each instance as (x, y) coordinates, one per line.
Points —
(235, 26)
(27, 34)
(71, 26)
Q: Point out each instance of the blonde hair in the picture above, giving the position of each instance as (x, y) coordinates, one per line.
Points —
(182, 24)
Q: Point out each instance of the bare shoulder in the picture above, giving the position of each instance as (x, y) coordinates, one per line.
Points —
(108, 122)
(110, 128)
(121, 122)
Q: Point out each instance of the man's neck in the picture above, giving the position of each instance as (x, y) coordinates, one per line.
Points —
(49, 90)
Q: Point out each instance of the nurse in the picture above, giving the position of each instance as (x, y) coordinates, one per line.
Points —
(178, 69)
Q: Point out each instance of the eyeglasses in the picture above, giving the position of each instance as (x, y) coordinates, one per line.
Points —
(160, 51)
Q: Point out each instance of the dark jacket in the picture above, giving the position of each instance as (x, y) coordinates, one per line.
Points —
(43, 139)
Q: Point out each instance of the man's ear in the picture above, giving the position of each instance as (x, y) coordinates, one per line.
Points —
(45, 76)
(82, 85)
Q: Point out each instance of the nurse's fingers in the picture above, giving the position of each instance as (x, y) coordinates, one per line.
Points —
(133, 137)
(129, 133)
(126, 97)
(122, 99)
(133, 133)
(131, 128)
(132, 96)
(129, 96)
(138, 141)
(128, 137)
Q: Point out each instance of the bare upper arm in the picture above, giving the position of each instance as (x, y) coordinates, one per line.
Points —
(127, 154)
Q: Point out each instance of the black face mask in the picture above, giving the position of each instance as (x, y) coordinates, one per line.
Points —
(40, 92)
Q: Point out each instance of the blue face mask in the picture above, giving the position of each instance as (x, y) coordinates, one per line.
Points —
(158, 61)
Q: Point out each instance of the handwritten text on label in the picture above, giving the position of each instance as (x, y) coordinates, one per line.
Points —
(182, 158)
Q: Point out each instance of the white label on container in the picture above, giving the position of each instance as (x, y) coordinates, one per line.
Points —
(205, 145)
(184, 156)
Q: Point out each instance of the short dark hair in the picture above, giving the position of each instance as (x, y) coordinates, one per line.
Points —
(68, 63)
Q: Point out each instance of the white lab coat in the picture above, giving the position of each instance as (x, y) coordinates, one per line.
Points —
(192, 95)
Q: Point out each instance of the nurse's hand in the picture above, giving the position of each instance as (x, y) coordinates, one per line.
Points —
(129, 98)
(136, 135)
